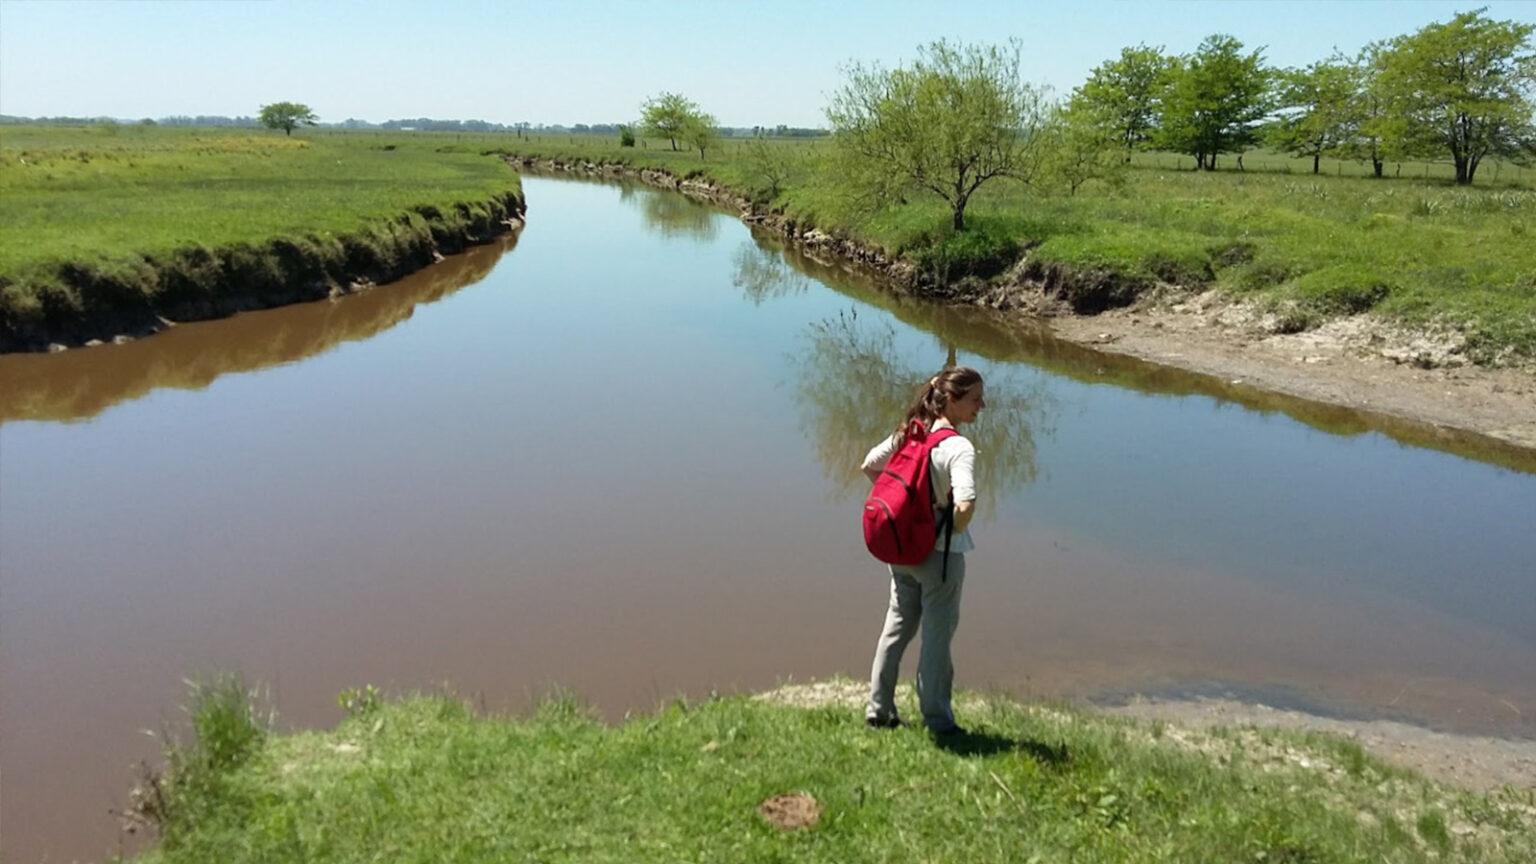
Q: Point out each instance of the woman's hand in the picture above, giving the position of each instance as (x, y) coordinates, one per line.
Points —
(964, 510)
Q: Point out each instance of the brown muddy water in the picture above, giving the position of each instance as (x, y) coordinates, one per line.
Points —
(623, 458)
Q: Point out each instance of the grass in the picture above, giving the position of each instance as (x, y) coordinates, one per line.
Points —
(99, 216)
(94, 193)
(426, 779)
(1416, 250)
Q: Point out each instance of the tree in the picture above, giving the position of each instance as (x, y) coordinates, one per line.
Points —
(1125, 95)
(1079, 148)
(772, 166)
(287, 115)
(671, 116)
(957, 118)
(699, 132)
(1320, 109)
(1218, 96)
(1380, 131)
(1464, 86)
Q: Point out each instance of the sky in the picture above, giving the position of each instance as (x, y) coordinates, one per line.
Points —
(747, 62)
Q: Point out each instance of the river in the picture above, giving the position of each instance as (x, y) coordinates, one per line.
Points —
(619, 453)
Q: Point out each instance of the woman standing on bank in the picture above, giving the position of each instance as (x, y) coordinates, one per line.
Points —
(927, 595)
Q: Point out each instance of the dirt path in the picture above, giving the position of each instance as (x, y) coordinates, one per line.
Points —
(1356, 362)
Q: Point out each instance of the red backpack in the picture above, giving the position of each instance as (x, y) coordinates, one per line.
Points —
(899, 527)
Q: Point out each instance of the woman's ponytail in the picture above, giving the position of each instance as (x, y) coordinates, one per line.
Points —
(952, 382)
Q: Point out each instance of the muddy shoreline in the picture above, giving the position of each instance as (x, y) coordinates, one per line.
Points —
(92, 306)
(1361, 363)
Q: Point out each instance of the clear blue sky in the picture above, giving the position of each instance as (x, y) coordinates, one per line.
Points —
(748, 63)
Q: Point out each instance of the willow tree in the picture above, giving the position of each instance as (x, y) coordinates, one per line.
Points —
(955, 119)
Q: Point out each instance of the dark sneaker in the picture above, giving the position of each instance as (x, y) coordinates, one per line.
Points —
(885, 723)
(955, 731)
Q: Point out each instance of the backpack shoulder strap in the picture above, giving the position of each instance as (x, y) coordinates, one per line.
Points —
(939, 436)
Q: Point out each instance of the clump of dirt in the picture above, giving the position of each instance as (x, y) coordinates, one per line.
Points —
(790, 812)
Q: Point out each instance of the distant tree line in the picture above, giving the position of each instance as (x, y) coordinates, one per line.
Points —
(425, 124)
(1464, 89)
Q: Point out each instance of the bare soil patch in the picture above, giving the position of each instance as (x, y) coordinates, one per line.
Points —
(791, 811)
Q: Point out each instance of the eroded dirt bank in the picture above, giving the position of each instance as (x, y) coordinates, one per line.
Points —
(90, 305)
(1360, 362)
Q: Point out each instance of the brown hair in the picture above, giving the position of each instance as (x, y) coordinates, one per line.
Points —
(952, 382)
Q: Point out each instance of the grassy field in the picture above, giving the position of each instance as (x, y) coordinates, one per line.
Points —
(1415, 249)
(116, 203)
(426, 779)
(92, 193)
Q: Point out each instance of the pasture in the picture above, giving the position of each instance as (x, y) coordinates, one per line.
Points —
(98, 195)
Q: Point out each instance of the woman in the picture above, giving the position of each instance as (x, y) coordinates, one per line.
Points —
(927, 595)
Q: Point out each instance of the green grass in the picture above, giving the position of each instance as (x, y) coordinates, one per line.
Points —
(1416, 249)
(426, 779)
(104, 198)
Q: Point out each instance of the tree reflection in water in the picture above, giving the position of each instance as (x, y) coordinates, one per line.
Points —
(763, 274)
(672, 214)
(854, 388)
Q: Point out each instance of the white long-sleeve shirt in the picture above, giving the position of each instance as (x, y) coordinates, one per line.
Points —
(952, 466)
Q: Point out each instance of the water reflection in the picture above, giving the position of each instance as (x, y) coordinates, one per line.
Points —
(762, 273)
(853, 389)
(1019, 339)
(671, 214)
(80, 384)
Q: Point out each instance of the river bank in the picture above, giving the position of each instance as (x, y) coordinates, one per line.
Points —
(1362, 361)
(90, 305)
(114, 233)
(793, 773)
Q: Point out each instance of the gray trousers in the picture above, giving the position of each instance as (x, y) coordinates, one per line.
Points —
(919, 600)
